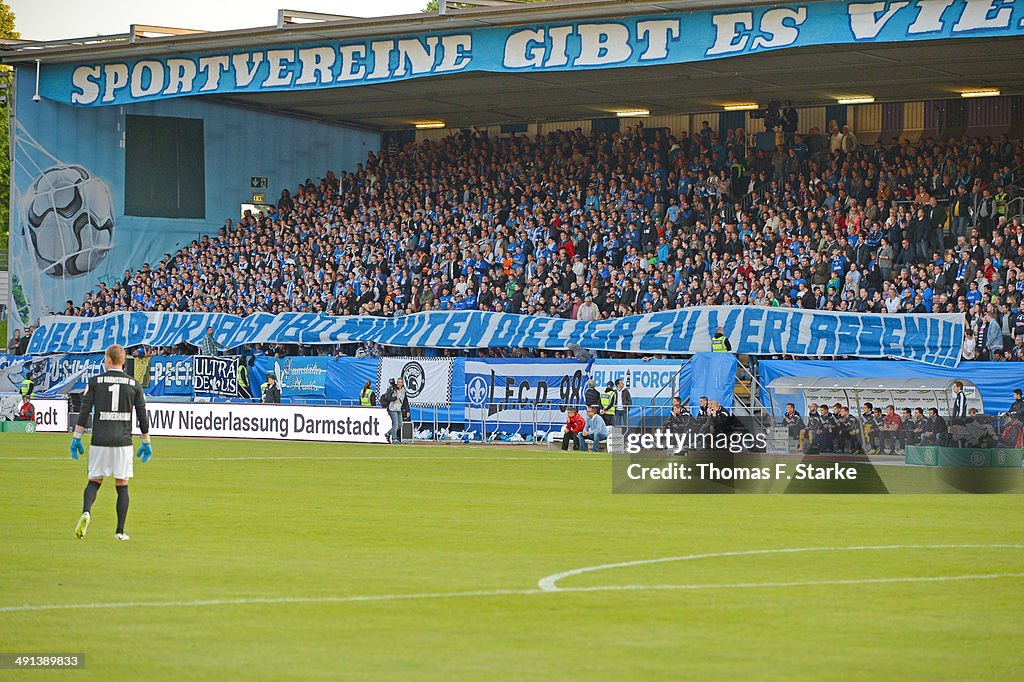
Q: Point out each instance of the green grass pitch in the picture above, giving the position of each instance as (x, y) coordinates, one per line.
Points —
(269, 561)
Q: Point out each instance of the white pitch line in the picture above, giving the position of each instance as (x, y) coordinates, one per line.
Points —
(549, 583)
(244, 601)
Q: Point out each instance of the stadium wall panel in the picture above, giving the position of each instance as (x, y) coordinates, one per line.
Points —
(913, 121)
(866, 122)
(811, 117)
(547, 127)
(677, 123)
(240, 143)
(989, 116)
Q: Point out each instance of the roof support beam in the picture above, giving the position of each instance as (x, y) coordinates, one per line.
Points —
(443, 7)
(146, 31)
(286, 17)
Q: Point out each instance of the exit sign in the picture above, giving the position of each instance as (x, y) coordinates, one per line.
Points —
(256, 182)
(259, 198)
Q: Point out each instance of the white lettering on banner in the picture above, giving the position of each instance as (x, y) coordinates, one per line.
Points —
(603, 44)
(315, 65)
(245, 67)
(182, 75)
(353, 63)
(457, 53)
(272, 422)
(559, 55)
(215, 375)
(213, 67)
(929, 16)
(979, 14)
(147, 78)
(171, 373)
(416, 56)
(930, 338)
(728, 37)
(381, 50)
(865, 20)
(281, 62)
(624, 42)
(657, 34)
(525, 48)
(644, 380)
(85, 84)
(116, 76)
(778, 27)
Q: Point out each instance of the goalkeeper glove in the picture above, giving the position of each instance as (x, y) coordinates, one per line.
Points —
(145, 452)
(76, 447)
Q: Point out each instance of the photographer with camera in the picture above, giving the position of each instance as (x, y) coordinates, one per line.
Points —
(396, 401)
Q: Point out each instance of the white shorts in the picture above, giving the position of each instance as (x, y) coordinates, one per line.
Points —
(110, 461)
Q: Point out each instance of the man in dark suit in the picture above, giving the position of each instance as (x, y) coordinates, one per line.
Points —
(936, 214)
(921, 231)
(959, 415)
(934, 429)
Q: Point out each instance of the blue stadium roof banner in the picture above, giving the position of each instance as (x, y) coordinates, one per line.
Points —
(644, 40)
(930, 338)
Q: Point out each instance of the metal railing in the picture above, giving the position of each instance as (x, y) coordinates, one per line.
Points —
(1015, 208)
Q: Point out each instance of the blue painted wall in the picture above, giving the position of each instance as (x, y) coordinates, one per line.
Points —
(239, 143)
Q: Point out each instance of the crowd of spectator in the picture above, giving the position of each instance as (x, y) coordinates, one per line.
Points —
(594, 225)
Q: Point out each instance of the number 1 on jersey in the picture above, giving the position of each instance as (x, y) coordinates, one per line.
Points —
(115, 391)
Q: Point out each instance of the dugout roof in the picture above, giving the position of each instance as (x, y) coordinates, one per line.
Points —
(810, 76)
(939, 390)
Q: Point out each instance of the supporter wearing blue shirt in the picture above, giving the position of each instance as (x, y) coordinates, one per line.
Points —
(596, 430)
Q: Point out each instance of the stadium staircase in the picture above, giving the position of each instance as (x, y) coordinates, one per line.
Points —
(747, 409)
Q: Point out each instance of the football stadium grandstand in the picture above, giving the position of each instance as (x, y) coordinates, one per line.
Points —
(595, 225)
(778, 243)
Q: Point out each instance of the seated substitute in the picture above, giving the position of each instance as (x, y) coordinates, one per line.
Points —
(717, 420)
(813, 422)
(920, 424)
(907, 433)
(847, 432)
(890, 431)
(935, 429)
(867, 425)
(793, 421)
(821, 438)
(872, 428)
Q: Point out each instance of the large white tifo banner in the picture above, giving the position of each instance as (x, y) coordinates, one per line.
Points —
(428, 381)
(271, 422)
